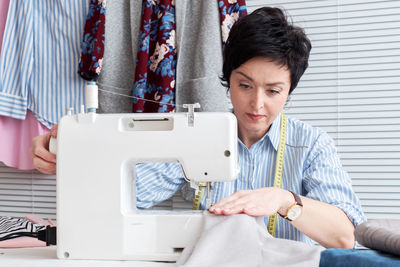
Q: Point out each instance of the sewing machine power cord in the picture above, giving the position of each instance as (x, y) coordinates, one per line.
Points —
(48, 235)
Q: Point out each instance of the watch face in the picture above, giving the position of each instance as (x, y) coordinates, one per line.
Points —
(294, 212)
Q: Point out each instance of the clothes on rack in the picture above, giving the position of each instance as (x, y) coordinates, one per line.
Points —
(16, 135)
(179, 46)
(44, 40)
(156, 58)
(16, 139)
(3, 16)
(199, 42)
(39, 57)
(230, 12)
(120, 49)
(92, 47)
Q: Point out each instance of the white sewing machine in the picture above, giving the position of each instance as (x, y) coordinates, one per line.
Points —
(97, 216)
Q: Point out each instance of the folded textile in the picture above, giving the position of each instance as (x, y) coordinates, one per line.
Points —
(17, 232)
(340, 257)
(15, 227)
(242, 240)
(382, 234)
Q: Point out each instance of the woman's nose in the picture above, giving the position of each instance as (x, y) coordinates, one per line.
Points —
(258, 99)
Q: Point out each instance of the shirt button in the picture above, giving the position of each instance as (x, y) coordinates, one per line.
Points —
(252, 184)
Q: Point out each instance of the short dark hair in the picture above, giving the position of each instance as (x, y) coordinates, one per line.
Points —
(266, 32)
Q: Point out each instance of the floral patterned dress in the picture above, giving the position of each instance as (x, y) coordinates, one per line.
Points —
(92, 46)
(156, 58)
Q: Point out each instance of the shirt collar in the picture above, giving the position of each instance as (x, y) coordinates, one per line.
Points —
(275, 131)
(273, 134)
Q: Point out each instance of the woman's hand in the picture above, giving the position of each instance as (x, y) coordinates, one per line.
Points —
(259, 202)
(43, 160)
(322, 222)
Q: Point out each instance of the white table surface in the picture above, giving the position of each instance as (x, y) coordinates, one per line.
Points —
(47, 257)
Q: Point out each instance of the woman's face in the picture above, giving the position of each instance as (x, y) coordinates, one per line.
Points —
(259, 89)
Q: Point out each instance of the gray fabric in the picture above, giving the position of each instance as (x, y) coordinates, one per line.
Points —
(383, 234)
(241, 240)
(119, 61)
(199, 63)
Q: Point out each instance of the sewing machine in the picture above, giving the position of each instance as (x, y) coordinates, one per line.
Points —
(97, 216)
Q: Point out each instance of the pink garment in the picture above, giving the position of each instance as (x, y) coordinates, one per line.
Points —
(16, 139)
(24, 241)
(3, 18)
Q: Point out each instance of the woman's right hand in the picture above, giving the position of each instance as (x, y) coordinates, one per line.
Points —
(43, 160)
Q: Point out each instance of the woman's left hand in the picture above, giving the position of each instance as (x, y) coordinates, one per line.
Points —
(259, 202)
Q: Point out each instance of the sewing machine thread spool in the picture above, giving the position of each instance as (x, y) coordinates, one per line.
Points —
(91, 96)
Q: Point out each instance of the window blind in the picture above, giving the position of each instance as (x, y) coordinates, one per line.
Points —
(27, 192)
(352, 90)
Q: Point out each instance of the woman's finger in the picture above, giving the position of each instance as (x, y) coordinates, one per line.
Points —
(43, 166)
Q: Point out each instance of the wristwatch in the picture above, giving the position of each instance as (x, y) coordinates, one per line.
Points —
(294, 211)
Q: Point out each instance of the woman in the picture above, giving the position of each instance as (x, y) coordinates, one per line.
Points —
(264, 58)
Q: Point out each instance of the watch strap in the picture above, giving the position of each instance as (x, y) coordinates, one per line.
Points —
(297, 201)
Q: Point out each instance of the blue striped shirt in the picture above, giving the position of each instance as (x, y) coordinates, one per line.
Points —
(311, 168)
(39, 59)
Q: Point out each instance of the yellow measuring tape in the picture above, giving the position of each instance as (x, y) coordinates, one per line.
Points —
(277, 179)
(199, 195)
(278, 169)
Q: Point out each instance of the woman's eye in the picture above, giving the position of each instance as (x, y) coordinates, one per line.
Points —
(273, 91)
(245, 86)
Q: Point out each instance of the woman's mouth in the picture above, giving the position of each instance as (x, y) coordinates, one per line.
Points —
(255, 117)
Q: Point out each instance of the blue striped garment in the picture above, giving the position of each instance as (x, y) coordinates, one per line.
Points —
(311, 168)
(39, 59)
